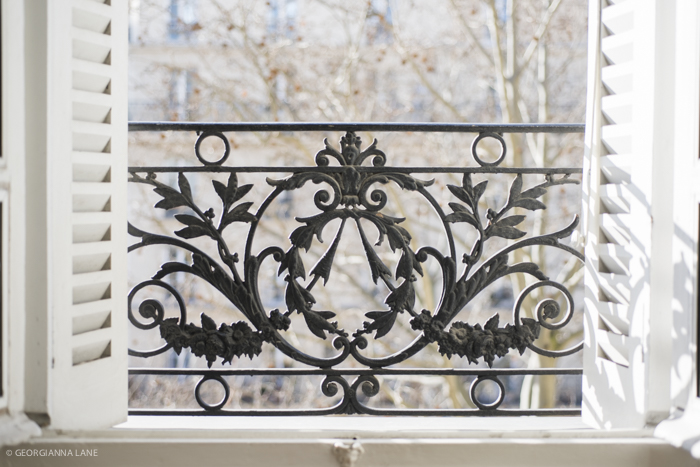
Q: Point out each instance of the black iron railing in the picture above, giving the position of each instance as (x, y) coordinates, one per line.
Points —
(349, 179)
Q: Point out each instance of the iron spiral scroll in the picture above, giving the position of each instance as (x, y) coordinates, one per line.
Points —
(349, 193)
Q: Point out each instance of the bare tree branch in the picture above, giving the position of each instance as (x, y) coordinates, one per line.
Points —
(544, 24)
(470, 32)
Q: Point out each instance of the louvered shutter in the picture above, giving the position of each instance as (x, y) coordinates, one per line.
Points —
(86, 161)
(627, 213)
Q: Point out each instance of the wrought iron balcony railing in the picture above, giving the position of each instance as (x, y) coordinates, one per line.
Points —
(358, 184)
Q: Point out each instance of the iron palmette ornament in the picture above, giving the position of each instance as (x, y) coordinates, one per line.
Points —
(350, 200)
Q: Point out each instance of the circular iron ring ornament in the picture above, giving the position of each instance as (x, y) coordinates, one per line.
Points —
(498, 138)
(490, 406)
(547, 309)
(198, 396)
(205, 135)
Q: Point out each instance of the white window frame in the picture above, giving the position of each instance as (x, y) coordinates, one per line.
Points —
(394, 439)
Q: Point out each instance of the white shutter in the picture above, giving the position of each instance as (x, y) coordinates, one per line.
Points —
(86, 161)
(683, 429)
(628, 215)
(686, 202)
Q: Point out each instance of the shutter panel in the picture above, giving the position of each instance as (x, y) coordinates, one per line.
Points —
(683, 430)
(628, 216)
(87, 144)
(685, 383)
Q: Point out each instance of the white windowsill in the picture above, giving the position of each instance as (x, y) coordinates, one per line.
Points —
(385, 441)
(683, 430)
(349, 427)
(357, 426)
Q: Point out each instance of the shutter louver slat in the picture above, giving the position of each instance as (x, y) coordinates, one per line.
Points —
(618, 18)
(616, 317)
(616, 168)
(618, 48)
(91, 202)
(91, 46)
(614, 258)
(614, 229)
(92, 315)
(91, 106)
(91, 232)
(91, 263)
(90, 76)
(617, 138)
(618, 108)
(617, 79)
(613, 347)
(96, 173)
(614, 199)
(91, 322)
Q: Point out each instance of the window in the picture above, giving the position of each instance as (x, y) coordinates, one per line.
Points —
(179, 94)
(379, 22)
(251, 55)
(183, 20)
(78, 152)
(282, 17)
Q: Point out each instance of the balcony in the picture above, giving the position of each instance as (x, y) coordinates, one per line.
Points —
(424, 243)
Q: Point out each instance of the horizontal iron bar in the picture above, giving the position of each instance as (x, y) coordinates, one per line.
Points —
(365, 126)
(407, 170)
(414, 412)
(357, 372)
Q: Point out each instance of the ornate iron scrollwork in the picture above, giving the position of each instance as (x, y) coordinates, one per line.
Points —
(350, 195)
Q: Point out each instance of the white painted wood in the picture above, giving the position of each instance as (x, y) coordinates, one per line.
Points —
(686, 189)
(618, 79)
(615, 317)
(613, 347)
(12, 230)
(4, 284)
(618, 48)
(616, 169)
(629, 163)
(17, 428)
(614, 227)
(615, 198)
(85, 167)
(96, 171)
(91, 16)
(618, 108)
(683, 429)
(35, 210)
(617, 139)
(654, 141)
(90, 46)
(91, 76)
(618, 18)
(615, 258)
(91, 106)
(615, 288)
